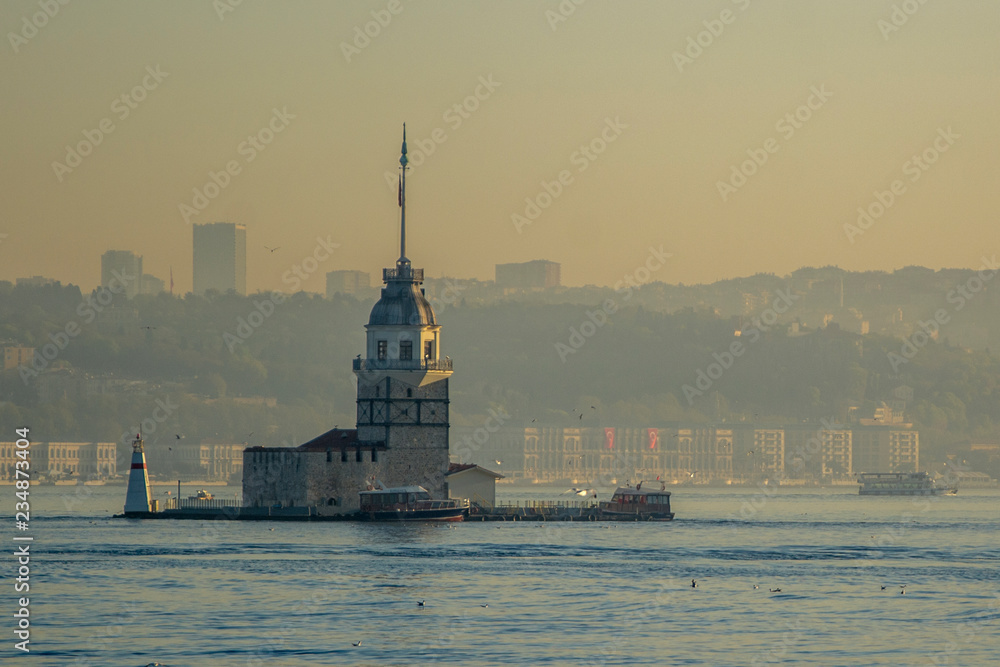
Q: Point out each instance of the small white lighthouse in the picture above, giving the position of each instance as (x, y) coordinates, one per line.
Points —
(137, 498)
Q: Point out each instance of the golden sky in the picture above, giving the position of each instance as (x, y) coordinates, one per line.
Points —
(834, 99)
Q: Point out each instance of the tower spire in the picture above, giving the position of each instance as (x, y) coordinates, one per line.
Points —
(402, 199)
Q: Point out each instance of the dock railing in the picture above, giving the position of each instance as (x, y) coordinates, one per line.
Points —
(198, 503)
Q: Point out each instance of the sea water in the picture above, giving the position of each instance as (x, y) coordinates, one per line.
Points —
(110, 592)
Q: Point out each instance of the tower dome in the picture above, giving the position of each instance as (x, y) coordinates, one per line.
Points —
(402, 302)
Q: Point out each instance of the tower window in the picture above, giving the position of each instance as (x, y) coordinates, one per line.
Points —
(357, 455)
(383, 347)
(409, 393)
(428, 349)
(405, 350)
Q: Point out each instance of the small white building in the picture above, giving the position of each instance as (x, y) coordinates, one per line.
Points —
(473, 483)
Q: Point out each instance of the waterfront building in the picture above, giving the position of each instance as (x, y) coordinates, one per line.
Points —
(84, 461)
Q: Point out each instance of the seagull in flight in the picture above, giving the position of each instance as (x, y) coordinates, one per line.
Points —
(774, 590)
(579, 492)
(694, 584)
(420, 603)
(272, 250)
(357, 643)
(484, 606)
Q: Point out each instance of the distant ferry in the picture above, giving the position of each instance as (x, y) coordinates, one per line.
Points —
(900, 484)
(637, 504)
(410, 503)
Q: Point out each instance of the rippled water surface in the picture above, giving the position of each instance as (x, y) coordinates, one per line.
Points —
(119, 592)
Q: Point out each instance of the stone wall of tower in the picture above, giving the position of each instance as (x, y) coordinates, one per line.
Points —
(274, 476)
(405, 417)
(331, 481)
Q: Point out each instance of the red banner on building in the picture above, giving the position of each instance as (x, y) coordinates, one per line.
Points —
(609, 438)
(654, 437)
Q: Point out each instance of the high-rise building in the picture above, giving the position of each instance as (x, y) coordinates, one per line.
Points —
(122, 267)
(346, 282)
(220, 257)
(537, 274)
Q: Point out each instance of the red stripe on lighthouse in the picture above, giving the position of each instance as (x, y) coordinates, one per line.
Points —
(138, 466)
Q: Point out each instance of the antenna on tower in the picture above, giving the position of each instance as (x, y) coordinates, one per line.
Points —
(403, 160)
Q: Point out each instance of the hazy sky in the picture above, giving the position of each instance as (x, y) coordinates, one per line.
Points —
(609, 76)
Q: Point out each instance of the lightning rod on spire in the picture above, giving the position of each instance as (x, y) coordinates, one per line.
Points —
(402, 198)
